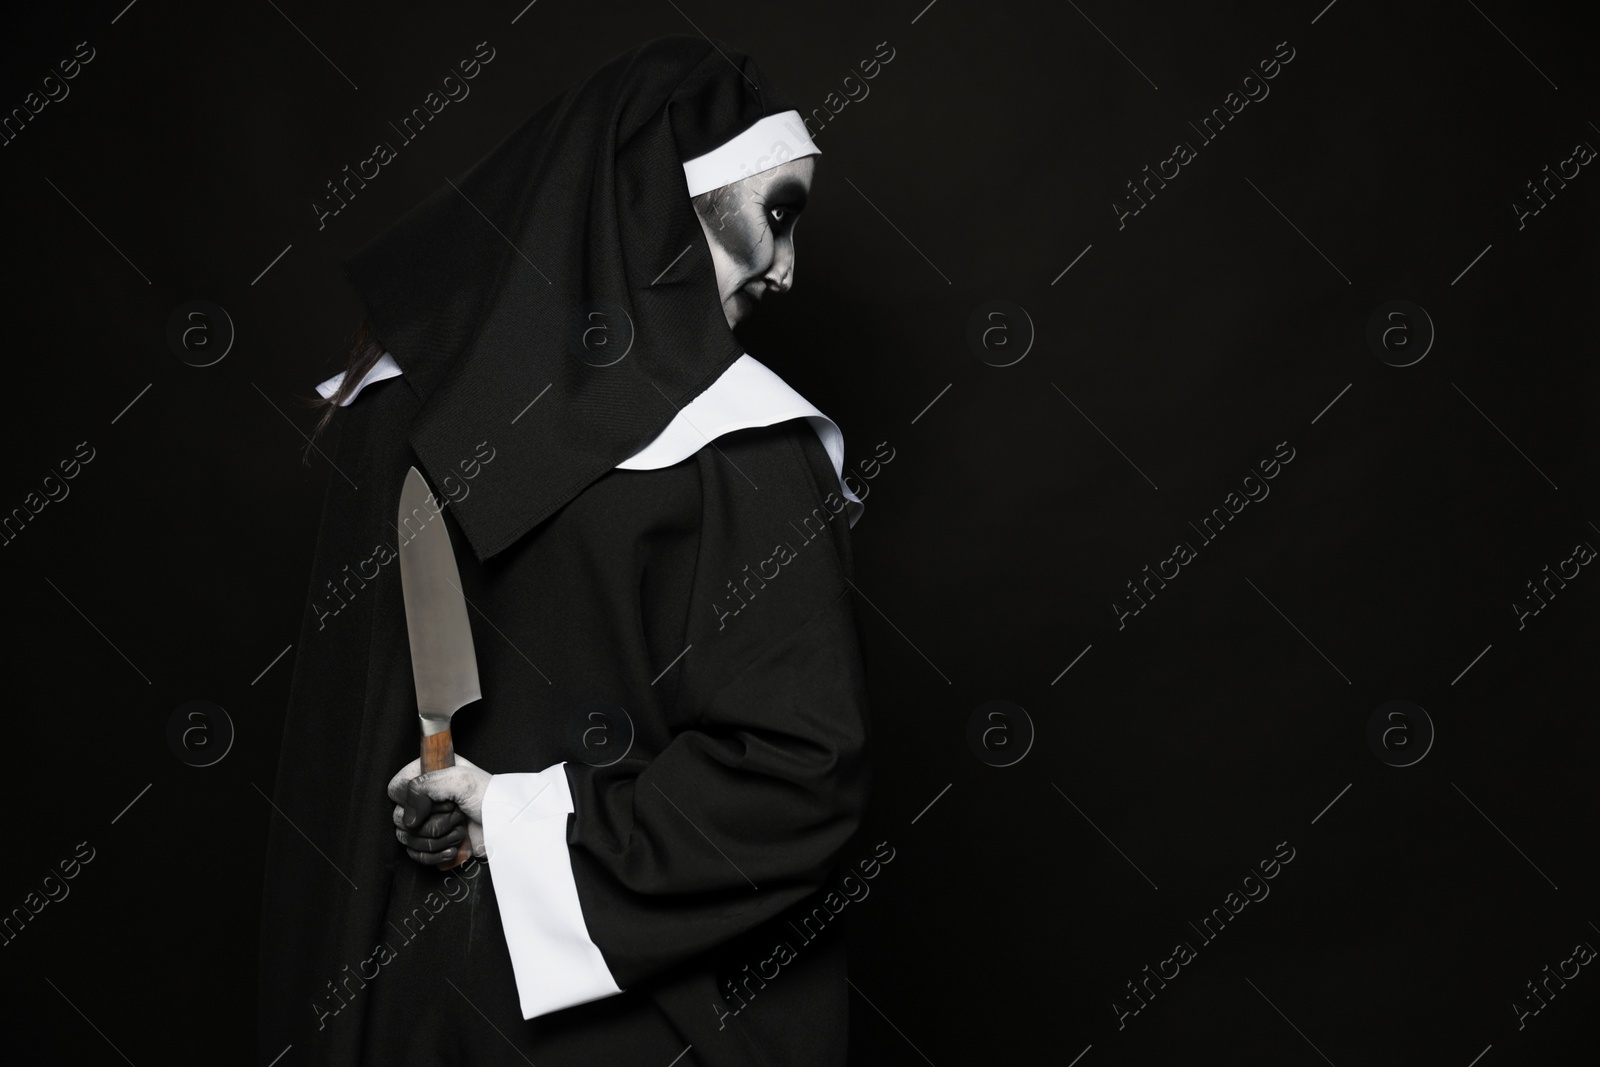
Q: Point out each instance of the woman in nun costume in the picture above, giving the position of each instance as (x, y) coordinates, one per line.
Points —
(652, 534)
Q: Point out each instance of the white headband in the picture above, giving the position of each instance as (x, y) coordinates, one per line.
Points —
(770, 142)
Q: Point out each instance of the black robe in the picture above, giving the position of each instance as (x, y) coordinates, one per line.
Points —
(694, 856)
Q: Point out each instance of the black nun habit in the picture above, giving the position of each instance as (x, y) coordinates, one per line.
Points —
(671, 890)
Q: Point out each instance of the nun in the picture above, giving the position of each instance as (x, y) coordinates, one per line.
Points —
(670, 756)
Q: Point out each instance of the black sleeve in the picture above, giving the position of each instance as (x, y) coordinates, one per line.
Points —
(744, 813)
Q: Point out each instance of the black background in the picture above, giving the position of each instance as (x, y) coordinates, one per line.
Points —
(1176, 353)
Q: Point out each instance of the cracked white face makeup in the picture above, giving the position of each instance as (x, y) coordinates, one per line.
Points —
(749, 226)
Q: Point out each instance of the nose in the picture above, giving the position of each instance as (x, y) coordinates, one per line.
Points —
(780, 276)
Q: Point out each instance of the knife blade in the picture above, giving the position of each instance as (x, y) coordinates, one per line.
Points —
(444, 663)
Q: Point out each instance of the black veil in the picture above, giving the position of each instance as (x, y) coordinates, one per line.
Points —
(568, 257)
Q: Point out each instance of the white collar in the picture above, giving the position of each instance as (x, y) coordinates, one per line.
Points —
(745, 395)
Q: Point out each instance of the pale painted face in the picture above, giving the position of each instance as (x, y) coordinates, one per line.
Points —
(749, 226)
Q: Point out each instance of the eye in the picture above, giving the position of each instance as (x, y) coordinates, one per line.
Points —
(781, 214)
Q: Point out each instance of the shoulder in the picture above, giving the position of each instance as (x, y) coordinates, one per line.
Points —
(754, 477)
(777, 472)
(770, 499)
(773, 561)
(748, 397)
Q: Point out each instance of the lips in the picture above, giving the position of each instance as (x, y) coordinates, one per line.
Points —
(744, 304)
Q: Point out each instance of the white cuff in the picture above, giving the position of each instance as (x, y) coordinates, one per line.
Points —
(525, 833)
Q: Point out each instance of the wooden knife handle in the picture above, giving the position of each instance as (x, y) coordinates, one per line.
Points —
(439, 752)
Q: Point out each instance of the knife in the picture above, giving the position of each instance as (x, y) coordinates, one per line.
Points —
(444, 664)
